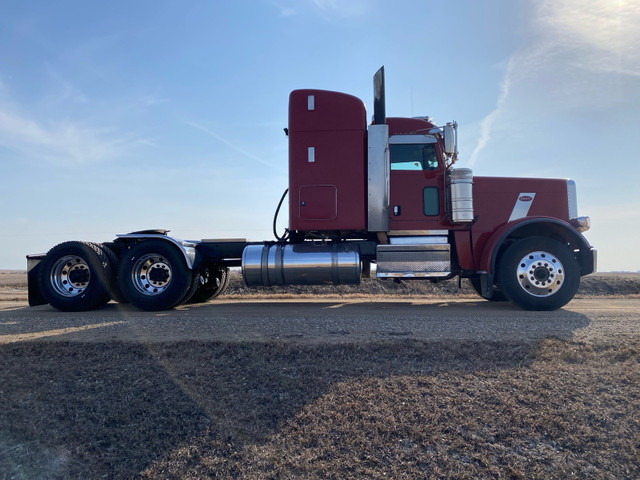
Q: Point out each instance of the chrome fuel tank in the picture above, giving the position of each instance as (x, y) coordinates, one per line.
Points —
(268, 265)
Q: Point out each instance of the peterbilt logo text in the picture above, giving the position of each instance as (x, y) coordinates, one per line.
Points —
(525, 198)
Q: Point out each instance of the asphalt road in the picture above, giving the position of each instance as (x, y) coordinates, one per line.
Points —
(327, 320)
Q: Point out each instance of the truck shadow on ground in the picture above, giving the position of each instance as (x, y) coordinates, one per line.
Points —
(324, 321)
(115, 409)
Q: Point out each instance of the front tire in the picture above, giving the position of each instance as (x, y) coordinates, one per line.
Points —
(539, 273)
(75, 276)
(153, 276)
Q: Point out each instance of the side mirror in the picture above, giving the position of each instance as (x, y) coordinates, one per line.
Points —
(450, 133)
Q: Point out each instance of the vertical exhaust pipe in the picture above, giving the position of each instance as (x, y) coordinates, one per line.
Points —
(379, 107)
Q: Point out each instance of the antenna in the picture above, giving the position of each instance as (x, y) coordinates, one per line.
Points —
(412, 102)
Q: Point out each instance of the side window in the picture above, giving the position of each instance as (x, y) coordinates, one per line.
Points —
(430, 204)
(413, 157)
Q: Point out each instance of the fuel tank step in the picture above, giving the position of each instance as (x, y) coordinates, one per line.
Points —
(413, 261)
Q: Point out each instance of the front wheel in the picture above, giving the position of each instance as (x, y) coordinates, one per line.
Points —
(153, 276)
(539, 273)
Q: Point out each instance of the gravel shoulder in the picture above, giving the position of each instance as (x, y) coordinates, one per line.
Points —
(326, 320)
(606, 307)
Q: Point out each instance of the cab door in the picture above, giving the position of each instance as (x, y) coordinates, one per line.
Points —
(416, 184)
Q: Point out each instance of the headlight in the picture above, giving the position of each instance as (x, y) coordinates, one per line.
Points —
(582, 224)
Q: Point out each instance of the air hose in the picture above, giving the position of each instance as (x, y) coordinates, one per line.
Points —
(284, 237)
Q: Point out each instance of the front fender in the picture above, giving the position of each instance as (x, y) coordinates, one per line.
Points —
(538, 226)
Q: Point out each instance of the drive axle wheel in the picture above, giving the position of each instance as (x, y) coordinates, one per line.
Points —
(212, 282)
(539, 273)
(114, 287)
(153, 275)
(75, 276)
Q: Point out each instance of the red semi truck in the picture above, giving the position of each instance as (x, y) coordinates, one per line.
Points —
(386, 193)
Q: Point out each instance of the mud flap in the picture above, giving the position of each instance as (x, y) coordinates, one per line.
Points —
(33, 267)
(486, 285)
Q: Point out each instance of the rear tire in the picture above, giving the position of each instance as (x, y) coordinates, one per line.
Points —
(114, 287)
(75, 276)
(539, 273)
(154, 276)
(212, 281)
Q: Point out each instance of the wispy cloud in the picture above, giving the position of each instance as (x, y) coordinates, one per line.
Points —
(235, 147)
(64, 90)
(577, 52)
(65, 127)
(64, 144)
(604, 34)
(486, 125)
(326, 9)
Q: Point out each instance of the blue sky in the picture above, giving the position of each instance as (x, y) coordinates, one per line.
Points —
(118, 116)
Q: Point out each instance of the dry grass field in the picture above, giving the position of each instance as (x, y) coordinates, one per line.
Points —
(557, 407)
(13, 285)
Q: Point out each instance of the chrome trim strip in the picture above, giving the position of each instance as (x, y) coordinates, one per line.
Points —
(420, 233)
(426, 240)
(411, 139)
(378, 173)
(413, 275)
(416, 247)
(572, 199)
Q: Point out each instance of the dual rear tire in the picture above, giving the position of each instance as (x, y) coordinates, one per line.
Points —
(210, 282)
(152, 275)
(76, 276)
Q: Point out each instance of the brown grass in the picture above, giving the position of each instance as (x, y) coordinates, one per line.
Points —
(13, 285)
(397, 409)
(402, 409)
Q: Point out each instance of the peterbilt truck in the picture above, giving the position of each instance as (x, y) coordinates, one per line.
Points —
(384, 194)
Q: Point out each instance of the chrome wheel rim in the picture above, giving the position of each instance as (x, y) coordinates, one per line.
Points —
(70, 276)
(151, 274)
(540, 274)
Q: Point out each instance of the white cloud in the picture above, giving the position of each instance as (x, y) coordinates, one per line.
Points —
(64, 90)
(238, 149)
(582, 56)
(327, 9)
(487, 122)
(65, 144)
(606, 33)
